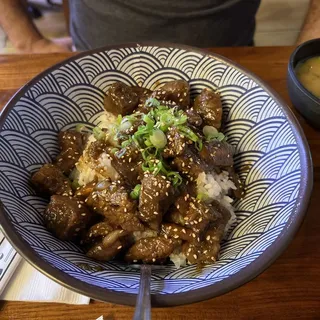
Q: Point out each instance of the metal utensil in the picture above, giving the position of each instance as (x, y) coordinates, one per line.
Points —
(143, 304)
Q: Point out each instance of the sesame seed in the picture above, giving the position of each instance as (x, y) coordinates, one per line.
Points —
(83, 214)
(175, 229)
(195, 256)
(153, 260)
(155, 213)
(183, 230)
(119, 247)
(193, 235)
(208, 238)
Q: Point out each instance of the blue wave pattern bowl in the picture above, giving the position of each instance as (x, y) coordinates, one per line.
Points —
(272, 158)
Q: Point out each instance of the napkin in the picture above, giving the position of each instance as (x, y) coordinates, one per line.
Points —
(19, 281)
(28, 284)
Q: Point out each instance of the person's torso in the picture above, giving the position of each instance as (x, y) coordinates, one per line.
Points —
(203, 23)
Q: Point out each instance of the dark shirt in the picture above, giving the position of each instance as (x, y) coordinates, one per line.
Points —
(202, 23)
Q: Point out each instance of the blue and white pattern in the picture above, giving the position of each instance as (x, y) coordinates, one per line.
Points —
(267, 157)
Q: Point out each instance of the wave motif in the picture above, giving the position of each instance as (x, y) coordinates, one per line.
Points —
(266, 156)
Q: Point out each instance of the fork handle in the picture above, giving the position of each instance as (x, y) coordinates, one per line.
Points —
(143, 304)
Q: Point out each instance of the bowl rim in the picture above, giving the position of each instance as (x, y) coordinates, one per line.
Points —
(232, 282)
(294, 77)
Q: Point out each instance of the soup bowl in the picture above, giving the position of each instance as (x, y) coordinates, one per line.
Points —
(271, 157)
(302, 99)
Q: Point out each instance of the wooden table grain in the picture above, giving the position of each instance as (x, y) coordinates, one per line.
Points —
(289, 289)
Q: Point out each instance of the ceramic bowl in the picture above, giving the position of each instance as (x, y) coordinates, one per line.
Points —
(272, 158)
(302, 99)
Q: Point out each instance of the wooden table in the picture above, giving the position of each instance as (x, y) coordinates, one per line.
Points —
(289, 289)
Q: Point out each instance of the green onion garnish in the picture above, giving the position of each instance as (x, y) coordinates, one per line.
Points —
(152, 102)
(98, 133)
(158, 139)
(135, 193)
(80, 127)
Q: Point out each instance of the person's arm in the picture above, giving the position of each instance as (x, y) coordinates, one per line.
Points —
(311, 27)
(17, 24)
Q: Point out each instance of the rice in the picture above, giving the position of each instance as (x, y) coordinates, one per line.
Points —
(213, 186)
(178, 258)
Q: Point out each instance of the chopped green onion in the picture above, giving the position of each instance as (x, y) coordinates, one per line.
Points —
(114, 150)
(221, 136)
(98, 133)
(135, 193)
(125, 125)
(152, 102)
(210, 132)
(158, 139)
(191, 135)
(175, 178)
(80, 127)
(75, 185)
(202, 197)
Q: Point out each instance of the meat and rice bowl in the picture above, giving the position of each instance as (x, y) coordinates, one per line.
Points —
(154, 181)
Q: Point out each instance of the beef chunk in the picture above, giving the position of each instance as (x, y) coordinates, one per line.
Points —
(239, 192)
(71, 144)
(104, 241)
(67, 218)
(96, 148)
(207, 251)
(177, 91)
(116, 206)
(176, 143)
(143, 94)
(101, 252)
(194, 119)
(196, 215)
(121, 99)
(127, 161)
(156, 196)
(175, 231)
(208, 105)
(217, 154)
(189, 164)
(150, 250)
(50, 180)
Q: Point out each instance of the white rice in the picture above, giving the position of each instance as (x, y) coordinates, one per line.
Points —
(216, 187)
(178, 258)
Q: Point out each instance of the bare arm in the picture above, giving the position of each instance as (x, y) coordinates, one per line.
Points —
(311, 27)
(21, 31)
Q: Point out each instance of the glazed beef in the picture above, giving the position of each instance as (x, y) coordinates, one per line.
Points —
(189, 164)
(150, 250)
(143, 94)
(104, 241)
(194, 118)
(217, 154)
(114, 203)
(127, 161)
(67, 218)
(156, 196)
(121, 99)
(239, 192)
(207, 251)
(96, 148)
(71, 145)
(177, 91)
(175, 231)
(176, 143)
(208, 105)
(50, 180)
